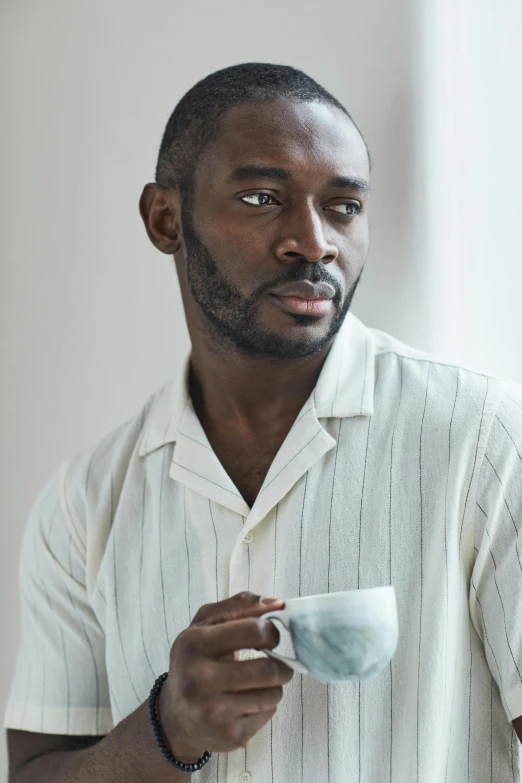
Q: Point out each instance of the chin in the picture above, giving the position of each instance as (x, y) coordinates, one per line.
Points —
(285, 347)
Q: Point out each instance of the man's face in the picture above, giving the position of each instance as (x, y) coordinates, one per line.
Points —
(248, 231)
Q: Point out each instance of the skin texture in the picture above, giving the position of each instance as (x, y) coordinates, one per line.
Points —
(254, 366)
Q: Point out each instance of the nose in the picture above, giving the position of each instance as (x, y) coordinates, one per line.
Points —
(303, 237)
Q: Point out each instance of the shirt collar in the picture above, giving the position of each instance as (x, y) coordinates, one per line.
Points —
(344, 388)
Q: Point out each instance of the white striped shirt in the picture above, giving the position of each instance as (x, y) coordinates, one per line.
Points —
(400, 469)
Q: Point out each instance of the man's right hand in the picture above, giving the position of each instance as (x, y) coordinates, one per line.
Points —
(211, 700)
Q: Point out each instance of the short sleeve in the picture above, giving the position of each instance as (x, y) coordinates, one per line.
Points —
(59, 685)
(496, 579)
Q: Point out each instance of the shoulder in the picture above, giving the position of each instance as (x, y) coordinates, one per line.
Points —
(443, 380)
(92, 480)
(505, 438)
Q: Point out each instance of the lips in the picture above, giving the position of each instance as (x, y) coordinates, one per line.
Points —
(303, 289)
(304, 298)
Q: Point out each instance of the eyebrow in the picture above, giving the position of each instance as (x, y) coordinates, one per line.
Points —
(256, 171)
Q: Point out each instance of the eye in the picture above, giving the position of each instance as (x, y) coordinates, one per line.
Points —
(263, 197)
(354, 205)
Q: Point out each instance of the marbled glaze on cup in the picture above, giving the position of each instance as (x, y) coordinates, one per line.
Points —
(341, 636)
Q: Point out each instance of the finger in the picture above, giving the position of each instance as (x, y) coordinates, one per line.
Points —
(218, 640)
(232, 604)
(251, 724)
(259, 673)
(249, 609)
(236, 705)
(245, 727)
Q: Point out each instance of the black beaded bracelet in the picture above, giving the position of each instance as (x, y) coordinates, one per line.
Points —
(153, 713)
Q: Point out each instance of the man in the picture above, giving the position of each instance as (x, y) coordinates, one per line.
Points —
(297, 452)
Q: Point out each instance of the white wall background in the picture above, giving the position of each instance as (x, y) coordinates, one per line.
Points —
(91, 318)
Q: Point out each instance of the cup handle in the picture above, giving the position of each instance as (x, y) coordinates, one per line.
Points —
(293, 663)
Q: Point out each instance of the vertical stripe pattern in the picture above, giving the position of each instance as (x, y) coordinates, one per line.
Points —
(400, 469)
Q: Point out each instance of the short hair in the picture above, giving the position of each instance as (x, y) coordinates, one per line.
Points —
(195, 121)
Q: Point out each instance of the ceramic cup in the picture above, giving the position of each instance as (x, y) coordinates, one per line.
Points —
(340, 636)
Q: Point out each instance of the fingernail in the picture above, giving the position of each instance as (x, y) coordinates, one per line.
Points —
(270, 600)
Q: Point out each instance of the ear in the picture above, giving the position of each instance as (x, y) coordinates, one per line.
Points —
(160, 211)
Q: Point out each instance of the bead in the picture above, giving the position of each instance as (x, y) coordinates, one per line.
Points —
(156, 727)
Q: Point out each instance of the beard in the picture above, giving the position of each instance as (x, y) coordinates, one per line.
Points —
(232, 317)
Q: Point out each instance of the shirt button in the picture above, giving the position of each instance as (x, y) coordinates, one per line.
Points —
(249, 537)
(245, 777)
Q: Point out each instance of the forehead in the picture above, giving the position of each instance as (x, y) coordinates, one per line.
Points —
(305, 138)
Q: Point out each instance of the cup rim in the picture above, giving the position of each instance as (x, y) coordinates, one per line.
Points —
(343, 595)
(362, 591)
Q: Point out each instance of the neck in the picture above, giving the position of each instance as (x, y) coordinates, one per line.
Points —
(248, 392)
